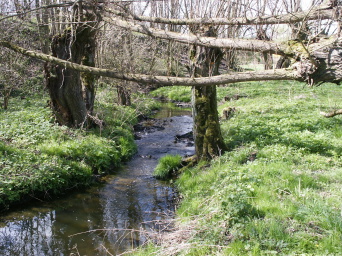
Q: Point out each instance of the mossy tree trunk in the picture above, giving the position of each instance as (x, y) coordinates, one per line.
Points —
(207, 133)
(72, 94)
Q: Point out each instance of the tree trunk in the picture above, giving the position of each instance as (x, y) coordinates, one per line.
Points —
(267, 57)
(64, 85)
(87, 45)
(124, 97)
(207, 133)
(277, 74)
(7, 94)
(72, 93)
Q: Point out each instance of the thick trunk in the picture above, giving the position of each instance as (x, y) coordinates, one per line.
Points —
(208, 138)
(65, 86)
(72, 92)
(207, 133)
(320, 62)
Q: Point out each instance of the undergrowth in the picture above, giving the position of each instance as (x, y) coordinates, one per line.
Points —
(278, 189)
(40, 159)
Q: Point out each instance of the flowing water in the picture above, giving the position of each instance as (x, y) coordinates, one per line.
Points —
(110, 218)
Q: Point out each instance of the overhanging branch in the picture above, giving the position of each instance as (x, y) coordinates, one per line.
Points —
(277, 74)
(237, 44)
(320, 12)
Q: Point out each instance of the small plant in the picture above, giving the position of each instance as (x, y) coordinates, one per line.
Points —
(167, 166)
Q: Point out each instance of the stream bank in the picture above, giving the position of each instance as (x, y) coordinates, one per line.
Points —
(113, 217)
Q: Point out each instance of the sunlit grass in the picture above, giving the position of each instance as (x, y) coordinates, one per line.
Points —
(176, 93)
(167, 166)
(278, 190)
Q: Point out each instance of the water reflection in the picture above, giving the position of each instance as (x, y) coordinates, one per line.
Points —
(104, 220)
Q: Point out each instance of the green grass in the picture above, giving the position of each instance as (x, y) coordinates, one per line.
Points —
(176, 93)
(39, 158)
(278, 189)
(167, 166)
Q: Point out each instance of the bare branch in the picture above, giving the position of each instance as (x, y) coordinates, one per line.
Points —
(332, 114)
(237, 44)
(277, 74)
(65, 4)
(321, 12)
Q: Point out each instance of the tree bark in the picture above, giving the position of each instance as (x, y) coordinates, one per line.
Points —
(124, 97)
(328, 54)
(72, 93)
(209, 142)
(64, 85)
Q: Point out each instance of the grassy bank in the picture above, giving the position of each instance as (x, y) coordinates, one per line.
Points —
(278, 190)
(39, 159)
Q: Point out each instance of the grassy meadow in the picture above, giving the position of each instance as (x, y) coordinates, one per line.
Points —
(278, 189)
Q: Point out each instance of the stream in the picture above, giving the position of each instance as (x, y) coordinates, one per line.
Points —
(110, 218)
